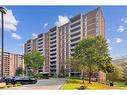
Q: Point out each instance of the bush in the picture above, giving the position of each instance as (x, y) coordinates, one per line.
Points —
(9, 85)
(82, 87)
(38, 76)
(61, 76)
(117, 75)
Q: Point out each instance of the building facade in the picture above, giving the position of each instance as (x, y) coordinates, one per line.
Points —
(11, 63)
(58, 44)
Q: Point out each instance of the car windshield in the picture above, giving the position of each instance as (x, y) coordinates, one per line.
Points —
(18, 77)
(25, 77)
(10, 77)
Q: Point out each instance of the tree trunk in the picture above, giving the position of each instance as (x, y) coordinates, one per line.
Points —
(90, 77)
(37, 71)
(83, 77)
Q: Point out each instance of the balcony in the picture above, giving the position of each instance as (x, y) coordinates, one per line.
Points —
(72, 28)
(76, 38)
(75, 29)
(52, 38)
(75, 24)
(75, 34)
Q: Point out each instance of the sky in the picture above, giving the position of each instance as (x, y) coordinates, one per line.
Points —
(25, 22)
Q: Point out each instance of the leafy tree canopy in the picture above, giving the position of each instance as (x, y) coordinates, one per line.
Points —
(34, 60)
(91, 55)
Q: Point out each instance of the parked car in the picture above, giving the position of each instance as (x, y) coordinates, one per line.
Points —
(24, 80)
(17, 79)
(7, 79)
(1, 79)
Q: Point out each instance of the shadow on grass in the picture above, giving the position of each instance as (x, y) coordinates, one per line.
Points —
(73, 81)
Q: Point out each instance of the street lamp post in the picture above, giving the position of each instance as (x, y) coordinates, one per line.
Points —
(3, 11)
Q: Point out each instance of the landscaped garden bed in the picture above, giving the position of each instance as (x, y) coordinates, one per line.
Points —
(76, 84)
(3, 85)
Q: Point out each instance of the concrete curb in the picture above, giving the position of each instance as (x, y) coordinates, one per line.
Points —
(2, 85)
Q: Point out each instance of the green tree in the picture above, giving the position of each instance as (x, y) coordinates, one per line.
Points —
(92, 55)
(19, 71)
(118, 74)
(34, 61)
(78, 64)
(62, 70)
(124, 66)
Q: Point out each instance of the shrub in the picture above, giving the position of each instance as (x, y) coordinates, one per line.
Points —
(39, 76)
(82, 87)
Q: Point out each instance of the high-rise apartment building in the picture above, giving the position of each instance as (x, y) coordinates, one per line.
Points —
(58, 44)
(11, 63)
(30, 45)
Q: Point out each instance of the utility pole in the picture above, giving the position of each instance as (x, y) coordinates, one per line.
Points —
(3, 11)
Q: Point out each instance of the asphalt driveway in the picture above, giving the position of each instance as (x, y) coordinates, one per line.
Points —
(46, 84)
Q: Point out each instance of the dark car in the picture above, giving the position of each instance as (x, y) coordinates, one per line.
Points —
(7, 79)
(1, 79)
(23, 80)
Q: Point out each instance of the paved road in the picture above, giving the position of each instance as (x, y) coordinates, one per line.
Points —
(49, 84)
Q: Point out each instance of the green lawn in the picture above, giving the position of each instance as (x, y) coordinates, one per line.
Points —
(120, 83)
(74, 84)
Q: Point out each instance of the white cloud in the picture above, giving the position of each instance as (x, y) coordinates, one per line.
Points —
(118, 40)
(15, 36)
(124, 20)
(108, 41)
(45, 25)
(121, 28)
(34, 35)
(10, 22)
(62, 20)
(70, 16)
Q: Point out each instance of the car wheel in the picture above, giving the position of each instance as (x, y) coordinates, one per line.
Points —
(21, 82)
(7, 83)
(33, 82)
(13, 82)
